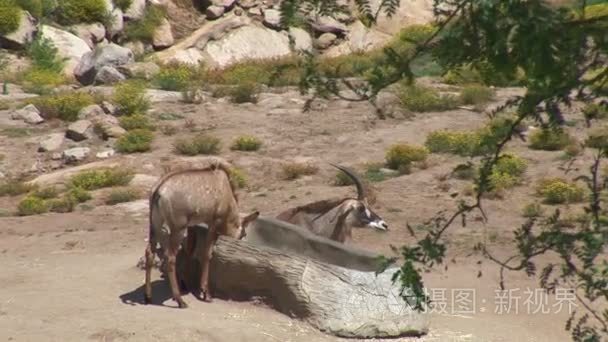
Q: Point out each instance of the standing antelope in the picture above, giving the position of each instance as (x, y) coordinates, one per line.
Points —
(182, 199)
(335, 218)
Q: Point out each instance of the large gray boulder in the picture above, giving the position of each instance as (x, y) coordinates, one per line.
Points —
(24, 33)
(188, 50)
(106, 55)
(69, 46)
(246, 43)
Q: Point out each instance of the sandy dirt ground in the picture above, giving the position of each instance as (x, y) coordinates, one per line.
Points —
(73, 277)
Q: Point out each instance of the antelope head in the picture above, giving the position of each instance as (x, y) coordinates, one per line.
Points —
(362, 214)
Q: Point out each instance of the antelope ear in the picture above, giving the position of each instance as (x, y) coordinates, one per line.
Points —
(249, 218)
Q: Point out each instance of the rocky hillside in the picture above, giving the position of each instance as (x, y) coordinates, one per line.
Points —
(95, 37)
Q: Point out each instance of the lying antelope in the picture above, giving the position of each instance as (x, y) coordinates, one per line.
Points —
(185, 198)
(335, 218)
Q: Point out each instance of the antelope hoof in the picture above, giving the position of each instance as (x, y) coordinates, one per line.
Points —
(147, 299)
(205, 296)
(181, 304)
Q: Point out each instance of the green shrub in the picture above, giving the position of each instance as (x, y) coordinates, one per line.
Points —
(41, 81)
(137, 140)
(200, 144)
(465, 171)
(507, 172)
(459, 143)
(123, 4)
(294, 170)
(45, 55)
(423, 99)
(136, 121)
(476, 94)
(558, 191)
(97, 179)
(46, 193)
(597, 138)
(550, 139)
(71, 12)
(79, 194)
(401, 156)
(65, 204)
(462, 75)
(121, 196)
(342, 179)
(169, 116)
(245, 92)
(273, 72)
(64, 106)
(10, 17)
(595, 111)
(32, 205)
(246, 143)
(144, 28)
(15, 188)
(34, 7)
(532, 210)
(175, 76)
(130, 98)
(238, 177)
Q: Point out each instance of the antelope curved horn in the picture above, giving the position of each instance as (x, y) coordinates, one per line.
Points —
(361, 193)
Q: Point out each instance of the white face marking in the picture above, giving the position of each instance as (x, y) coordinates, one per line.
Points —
(368, 213)
(380, 225)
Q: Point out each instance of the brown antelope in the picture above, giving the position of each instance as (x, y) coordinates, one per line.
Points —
(335, 218)
(185, 198)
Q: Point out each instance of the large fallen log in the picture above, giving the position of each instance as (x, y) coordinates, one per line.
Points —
(309, 284)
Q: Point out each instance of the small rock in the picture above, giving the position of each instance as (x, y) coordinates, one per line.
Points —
(143, 70)
(227, 4)
(136, 10)
(328, 24)
(105, 154)
(76, 154)
(325, 40)
(246, 4)
(214, 12)
(108, 108)
(163, 37)
(90, 111)
(389, 171)
(108, 127)
(272, 18)
(301, 39)
(138, 48)
(56, 156)
(90, 33)
(116, 23)
(108, 75)
(255, 12)
(238, 12)
(79, 130)
(51, 142)
(29, 114)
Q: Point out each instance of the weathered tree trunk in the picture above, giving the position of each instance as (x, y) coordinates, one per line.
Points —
(340, 301)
